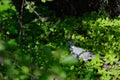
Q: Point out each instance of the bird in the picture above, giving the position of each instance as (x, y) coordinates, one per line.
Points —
(81, 53)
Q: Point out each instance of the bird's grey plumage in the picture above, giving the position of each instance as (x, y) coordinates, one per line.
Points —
(80, 52)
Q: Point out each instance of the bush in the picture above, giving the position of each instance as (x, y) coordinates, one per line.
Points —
(43, 52)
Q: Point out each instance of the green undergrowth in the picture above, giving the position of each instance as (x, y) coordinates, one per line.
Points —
(43, 52)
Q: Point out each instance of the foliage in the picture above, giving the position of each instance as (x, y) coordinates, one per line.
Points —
(44, 1)
(43, 52)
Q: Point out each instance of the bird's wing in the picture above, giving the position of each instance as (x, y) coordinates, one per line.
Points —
(87, 56)
(81, 53)
(76, 50)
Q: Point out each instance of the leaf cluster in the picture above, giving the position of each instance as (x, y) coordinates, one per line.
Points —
(43, 52)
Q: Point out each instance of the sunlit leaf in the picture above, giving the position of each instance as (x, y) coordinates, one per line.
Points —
(23, 77)
(57, 70)
(68, 60)
(50, 77)
(43, 1)
(25, 69)
(5, 5)
(12, 42)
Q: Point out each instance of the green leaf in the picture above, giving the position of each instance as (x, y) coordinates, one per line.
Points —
(2, 47)
(58, 70)
(44, 1)
(50, 77)
(12, 42)
(110, 58)
(49, 0)
(5, 5)
(69, 60)
(25, 69)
